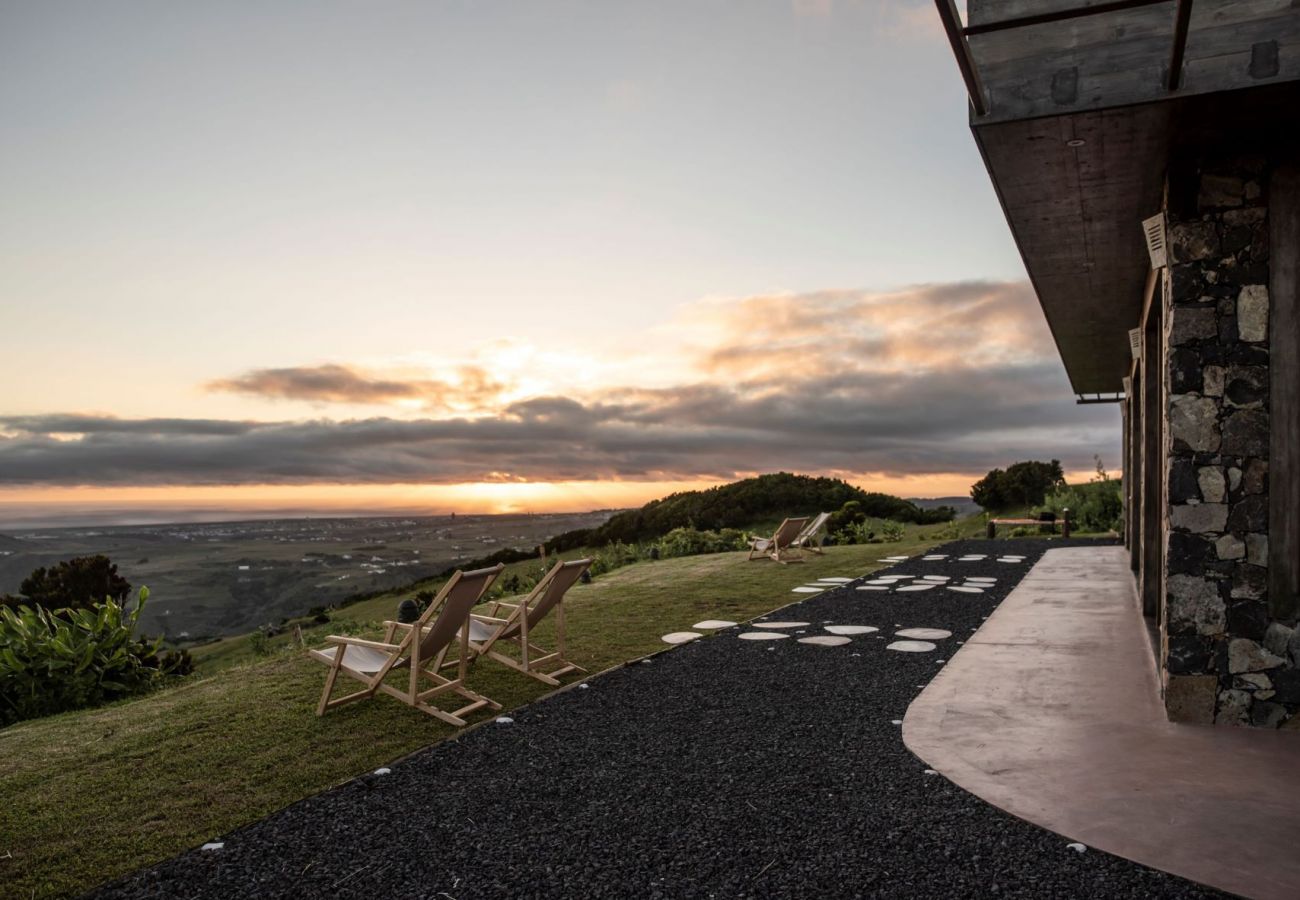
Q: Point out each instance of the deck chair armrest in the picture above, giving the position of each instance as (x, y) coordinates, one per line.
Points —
(493, 619)
(358, 642)
(391, 624)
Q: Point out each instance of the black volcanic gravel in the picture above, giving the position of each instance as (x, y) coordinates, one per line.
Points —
(722, 768)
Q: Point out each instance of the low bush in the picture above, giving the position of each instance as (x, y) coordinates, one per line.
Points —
(1095, 506)
(868, 531)
(692, 542)
(54, 661)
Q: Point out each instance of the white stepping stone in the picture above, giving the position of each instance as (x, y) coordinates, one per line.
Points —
(936, 578)
(836, 579)
(825, 640)
(879, 581)
(872, 587)
(1012, 561)
(965, 589)
(972, 558)
(680, 637)
(851, 629)
(383, 771)
(982, 578)
(924, 634)
(911, 646)
(933, 558)
(762, 636)
(779, 624)
(808, 590)
(918, 587)
(1077, 847)
(213, 845)
(711, 624)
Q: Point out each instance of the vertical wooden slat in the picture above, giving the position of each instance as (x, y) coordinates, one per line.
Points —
(1153, 414)
(1182, 18)
(1284, 393)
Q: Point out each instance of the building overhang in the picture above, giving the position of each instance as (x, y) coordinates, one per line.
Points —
(1077, 107)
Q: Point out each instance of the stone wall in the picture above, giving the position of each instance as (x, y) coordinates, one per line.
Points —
(1225, 660)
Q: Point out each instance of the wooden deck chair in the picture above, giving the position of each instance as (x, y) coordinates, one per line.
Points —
(422, 651)
(780, 546)
(813, 534)
(486, 632)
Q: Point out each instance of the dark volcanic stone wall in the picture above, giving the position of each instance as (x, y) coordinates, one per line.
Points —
(1225, 660)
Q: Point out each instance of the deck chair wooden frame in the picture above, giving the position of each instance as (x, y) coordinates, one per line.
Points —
(813, 534)
(781, 545)
(422, 651)
(515, 628)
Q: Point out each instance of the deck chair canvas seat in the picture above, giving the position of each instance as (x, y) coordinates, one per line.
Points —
(781, 545)
(419, 649)
(490, 631)
(813, 534)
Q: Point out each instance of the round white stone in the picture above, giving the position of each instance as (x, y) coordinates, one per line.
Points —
(711, 624)
(872, 587)
(910, 646)
(885, 581)
(933, 558)
(851, 629)
(837, 579)
(680, 637)
(762, 636)
(808, 590)
(924, 634)
(779, 624)
(936, 578)
(965, 589)
(982, 578)
(917, 587)
(825, 640)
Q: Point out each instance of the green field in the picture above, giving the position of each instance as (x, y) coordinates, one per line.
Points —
(91, 795)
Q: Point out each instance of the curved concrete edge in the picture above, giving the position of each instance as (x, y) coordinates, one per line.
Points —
(1051, 712)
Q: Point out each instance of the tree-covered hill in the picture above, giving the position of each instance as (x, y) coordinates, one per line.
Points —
(742, 503)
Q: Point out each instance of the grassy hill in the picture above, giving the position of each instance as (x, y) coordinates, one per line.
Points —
(90, 795)
(741, 504)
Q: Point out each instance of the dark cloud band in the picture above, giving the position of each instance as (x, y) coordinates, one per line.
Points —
(954, 378)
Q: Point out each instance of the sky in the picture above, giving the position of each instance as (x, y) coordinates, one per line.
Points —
(500, 256)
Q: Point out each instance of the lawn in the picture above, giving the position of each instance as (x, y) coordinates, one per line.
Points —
(91, 795)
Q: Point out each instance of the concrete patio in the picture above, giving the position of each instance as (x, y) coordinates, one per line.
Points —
(1052, 712)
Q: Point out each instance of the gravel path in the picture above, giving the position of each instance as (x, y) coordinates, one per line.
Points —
(722, 768)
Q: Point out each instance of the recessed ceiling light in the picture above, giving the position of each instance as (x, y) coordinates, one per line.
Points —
(1075, 142)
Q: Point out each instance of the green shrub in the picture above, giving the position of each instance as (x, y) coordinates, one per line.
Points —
(259, 643)
(51, 662)
(1097, 506)
(891, 531)
(693, 542)
(868, 531)
(72, 584)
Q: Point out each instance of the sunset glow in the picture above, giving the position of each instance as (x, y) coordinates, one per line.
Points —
(366, 290)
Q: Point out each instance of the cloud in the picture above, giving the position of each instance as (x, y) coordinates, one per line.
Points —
(932, 379)
(812, 8)
(332, 383)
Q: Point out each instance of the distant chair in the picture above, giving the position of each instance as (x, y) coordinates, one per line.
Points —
(813, 534)
(781, 545)
(486, 632)
(421, 652)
